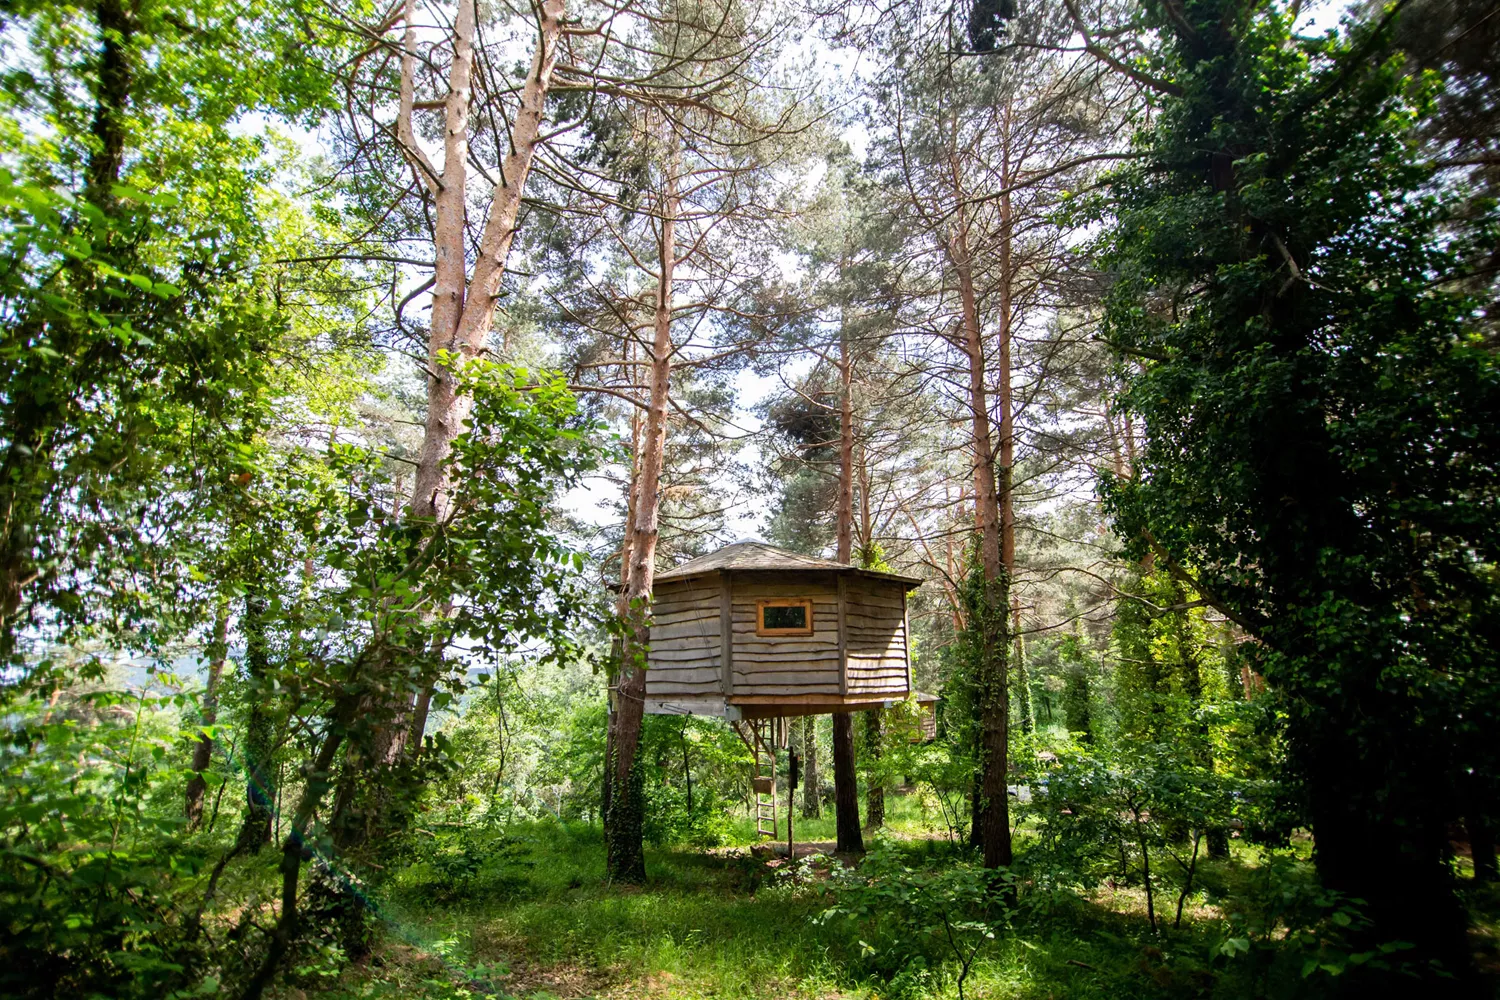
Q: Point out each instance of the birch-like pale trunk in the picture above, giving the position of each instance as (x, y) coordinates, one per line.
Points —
(463, 302)
(463, 308)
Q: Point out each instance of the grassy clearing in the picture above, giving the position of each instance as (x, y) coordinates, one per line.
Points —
(724, 923)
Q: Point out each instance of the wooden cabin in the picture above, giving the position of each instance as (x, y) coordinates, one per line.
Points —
(756, 632)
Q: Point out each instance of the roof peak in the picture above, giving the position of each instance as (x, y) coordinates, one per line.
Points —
(754, 554)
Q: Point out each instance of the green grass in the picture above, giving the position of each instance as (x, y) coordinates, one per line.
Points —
(721, 924)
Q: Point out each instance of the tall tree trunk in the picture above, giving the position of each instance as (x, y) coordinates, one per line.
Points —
(845, 784)
(463, 310)
(203, 748)
(812, 799)
(622, 603)
(623, 825)
(875, 794)
(849, 839)
(992, 812)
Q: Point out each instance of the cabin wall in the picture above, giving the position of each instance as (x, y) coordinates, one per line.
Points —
(875, 637)
(790, 666)
(686, 655)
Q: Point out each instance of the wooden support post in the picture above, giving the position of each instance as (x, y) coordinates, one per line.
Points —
(845, 787)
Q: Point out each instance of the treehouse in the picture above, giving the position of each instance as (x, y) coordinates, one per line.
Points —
(756, 632)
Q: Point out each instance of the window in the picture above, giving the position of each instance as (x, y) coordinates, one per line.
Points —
(792, 616)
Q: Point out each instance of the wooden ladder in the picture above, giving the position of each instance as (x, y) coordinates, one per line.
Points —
(760, 736)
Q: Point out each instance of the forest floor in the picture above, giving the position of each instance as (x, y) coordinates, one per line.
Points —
(728, 923)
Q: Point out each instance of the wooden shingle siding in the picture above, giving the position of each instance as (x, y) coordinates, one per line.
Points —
(875, 638)
(686, 654)
(790, 664)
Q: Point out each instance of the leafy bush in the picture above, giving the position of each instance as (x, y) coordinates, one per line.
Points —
(457, 862)
(908, 924)
(92, 882)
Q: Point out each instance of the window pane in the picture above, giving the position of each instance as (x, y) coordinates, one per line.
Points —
(793, 616)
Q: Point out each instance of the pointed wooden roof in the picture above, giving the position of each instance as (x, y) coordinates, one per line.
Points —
(759, 556)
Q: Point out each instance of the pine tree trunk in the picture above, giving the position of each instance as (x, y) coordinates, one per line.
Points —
(992, 820)
(623, 824)
(845, 784)
(845, 787)
(463, 309)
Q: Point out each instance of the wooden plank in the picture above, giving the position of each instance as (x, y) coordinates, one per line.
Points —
(687, 705)
(875, 603)
(701, 645)
(746, 632)
(758, 685)
(691, 674)
(806, 660)
(906, 631)
(752, 590)
(869, 642)
(695, 591)
(789, 678)
(791, 699)
(726, 635)
(708, 628)
(808, 653)
(828, 666)
(690, 615)
(663, 690)
(683, 655)
(865, 629)
(786, 648)
(857, 618)
(671, 614)
(843, 618)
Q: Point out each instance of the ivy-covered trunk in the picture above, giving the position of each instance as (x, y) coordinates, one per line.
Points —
(990, 602)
